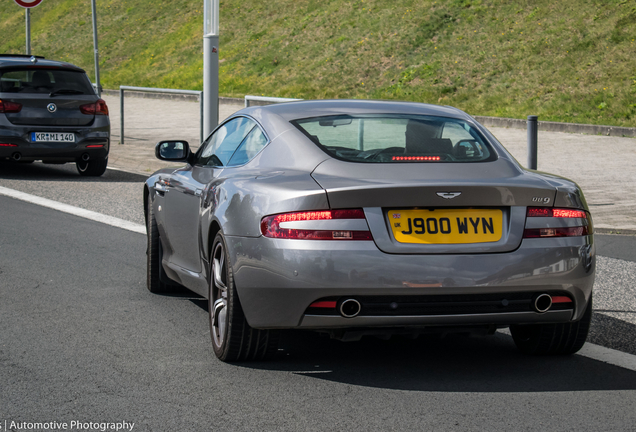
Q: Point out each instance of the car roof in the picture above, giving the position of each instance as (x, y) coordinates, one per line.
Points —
(290, 111)
(22, 60)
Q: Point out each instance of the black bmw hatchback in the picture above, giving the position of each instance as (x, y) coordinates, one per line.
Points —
(49, 111)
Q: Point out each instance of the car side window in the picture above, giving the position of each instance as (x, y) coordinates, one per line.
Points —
(249, 148)
(220, 147)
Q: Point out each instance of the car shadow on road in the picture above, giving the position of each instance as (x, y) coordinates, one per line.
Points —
(455, 363)
(37, 171)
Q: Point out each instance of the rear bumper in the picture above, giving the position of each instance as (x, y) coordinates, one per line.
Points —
(278, 279)
(55, 154)
(504, 319)
(97, 134)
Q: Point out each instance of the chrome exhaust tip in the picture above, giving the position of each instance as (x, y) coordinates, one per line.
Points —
(86, 157)
(16, 156)
(542, 303)
(350, 308)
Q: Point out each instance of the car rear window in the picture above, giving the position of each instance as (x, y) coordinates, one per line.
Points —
(45, 81)
(397, 139)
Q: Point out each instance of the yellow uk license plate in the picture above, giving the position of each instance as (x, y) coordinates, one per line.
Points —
(446, 226)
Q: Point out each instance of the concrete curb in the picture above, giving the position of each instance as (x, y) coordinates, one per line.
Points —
(616, 231)
(485, 120)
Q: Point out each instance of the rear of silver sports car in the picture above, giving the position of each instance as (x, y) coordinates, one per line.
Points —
(363, 276)
(447, 238)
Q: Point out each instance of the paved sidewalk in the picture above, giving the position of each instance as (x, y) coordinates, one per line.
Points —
(604, 166)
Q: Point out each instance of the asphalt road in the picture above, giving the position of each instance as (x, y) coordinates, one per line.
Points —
(116, 193)
(83, 340)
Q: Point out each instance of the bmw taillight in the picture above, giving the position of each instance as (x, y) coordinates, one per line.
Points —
(10, 107)
(561, 231)
(97, 108)
(317, 225)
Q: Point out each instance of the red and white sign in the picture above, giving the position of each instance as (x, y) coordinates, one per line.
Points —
(28, 3)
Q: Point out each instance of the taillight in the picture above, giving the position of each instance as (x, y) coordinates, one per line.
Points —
(556, 232)
(299, 225)
(97, 108)
(8, 145)
(101, 107)
(554, 212)
(416, 158)
(10, 107)
(550, 212)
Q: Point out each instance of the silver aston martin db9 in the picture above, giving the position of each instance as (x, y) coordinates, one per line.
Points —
(358, 218)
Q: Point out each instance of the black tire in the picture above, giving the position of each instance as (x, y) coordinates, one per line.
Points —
(93, 167)
(232, 337)
(155, 274)
(553, 339)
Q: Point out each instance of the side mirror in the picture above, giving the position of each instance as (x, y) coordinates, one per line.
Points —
(174, 151)
(466, 149)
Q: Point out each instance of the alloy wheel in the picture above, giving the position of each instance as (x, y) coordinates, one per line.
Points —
(218, 295)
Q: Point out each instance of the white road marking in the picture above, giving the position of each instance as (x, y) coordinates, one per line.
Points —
(122, 170)
(600, 353)
(608, 355)
(589, 350)
(66, 208)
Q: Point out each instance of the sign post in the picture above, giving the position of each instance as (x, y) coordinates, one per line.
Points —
(28, 4)
(210, 66)
(27, 16)
(95, 50)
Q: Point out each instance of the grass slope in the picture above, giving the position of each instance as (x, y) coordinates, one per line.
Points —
(571, 60)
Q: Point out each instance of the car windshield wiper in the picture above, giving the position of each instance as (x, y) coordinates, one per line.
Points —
(65, 91)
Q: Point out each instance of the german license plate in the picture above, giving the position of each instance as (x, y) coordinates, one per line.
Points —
(52, 137)
(446, 226)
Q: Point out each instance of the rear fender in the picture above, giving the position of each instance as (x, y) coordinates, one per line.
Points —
(239, 203)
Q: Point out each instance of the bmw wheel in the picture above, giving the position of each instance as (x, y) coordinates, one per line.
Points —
(232, 337)
(546, 339)
(93, 167)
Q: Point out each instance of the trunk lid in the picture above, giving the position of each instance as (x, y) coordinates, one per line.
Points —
(66, 110)
(456, 191)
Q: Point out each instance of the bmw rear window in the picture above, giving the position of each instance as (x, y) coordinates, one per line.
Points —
(397, 139)
(31, 80)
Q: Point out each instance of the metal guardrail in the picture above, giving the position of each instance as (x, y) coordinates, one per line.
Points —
(249, 98)
(158, 90)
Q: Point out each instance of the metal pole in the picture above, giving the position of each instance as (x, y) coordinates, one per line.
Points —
(121, 115)
(210, 83)
(532, 142)
(27, 16)
(360, 134)
(99, 87)
(210, 65)
(201, 135)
